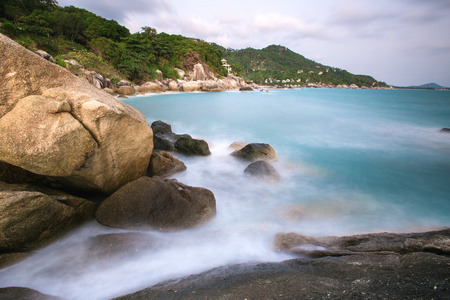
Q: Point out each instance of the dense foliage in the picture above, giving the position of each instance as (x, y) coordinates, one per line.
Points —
(279, 65)
(42, 24)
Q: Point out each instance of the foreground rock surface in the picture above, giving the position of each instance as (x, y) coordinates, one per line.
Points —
(415, 275)
(31, 217)
(435, 242)
(59, 126)
(153, 203)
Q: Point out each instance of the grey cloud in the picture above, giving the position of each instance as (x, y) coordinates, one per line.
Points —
(118, 9)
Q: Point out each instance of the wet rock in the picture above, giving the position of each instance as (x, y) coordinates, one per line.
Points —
(446, 130)
(263, 170)
(119, 246)
(167, 140)
(161, 127)
(9, 259)
(436, 242)
(366, 276)
(189, 146)
(153, 203)
(237, 145)
(15, 293)
(163, 164)
(246, 89)
(31, 217)
(256, 151)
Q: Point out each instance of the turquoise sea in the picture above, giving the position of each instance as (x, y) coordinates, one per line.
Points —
(351, 161)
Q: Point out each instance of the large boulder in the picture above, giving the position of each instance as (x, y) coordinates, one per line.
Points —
(262, 170)
(211, 86)
(232, 82)
(199, 73)
(153, 203)
(31, 217)
(59, 126)
(125, 90)
(189, 146)
(191, 86)
(150, 87)
(173, 85)
(163, 164)
(255, 151)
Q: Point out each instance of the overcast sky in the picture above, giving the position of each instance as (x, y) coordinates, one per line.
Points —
(401, 42)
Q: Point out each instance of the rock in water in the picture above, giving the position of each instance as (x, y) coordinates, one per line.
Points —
(262, 169)
(161, 127)
(153, 203)
(31, 217)
(256, 151)
(57, 125)
(190, 146)
(163, 164)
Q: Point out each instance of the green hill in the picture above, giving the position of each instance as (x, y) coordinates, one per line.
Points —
(275, 64)
(103, 45)
(110, 49)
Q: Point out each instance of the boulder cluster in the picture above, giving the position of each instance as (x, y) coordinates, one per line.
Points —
(69, 153)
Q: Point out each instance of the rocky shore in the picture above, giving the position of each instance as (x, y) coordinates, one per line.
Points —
(71, 153)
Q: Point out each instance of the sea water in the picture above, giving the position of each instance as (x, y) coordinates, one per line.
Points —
(350, 161)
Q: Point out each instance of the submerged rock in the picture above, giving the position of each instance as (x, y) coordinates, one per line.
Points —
(256, 151)
(153, 203)
(15, 293)
(163, 164)
(31, 217)
(263, 170)
(237, 145)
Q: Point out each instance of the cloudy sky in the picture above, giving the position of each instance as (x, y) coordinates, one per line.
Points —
(401, 42)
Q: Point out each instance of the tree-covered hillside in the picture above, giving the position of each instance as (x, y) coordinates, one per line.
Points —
(70, 32)
(110, 49)
(279, 65)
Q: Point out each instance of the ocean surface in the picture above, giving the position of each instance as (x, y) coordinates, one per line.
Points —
(351, 161)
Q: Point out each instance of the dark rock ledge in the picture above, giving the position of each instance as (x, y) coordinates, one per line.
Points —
(390, 272)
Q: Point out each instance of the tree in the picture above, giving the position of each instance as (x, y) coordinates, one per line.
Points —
(148, 31)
